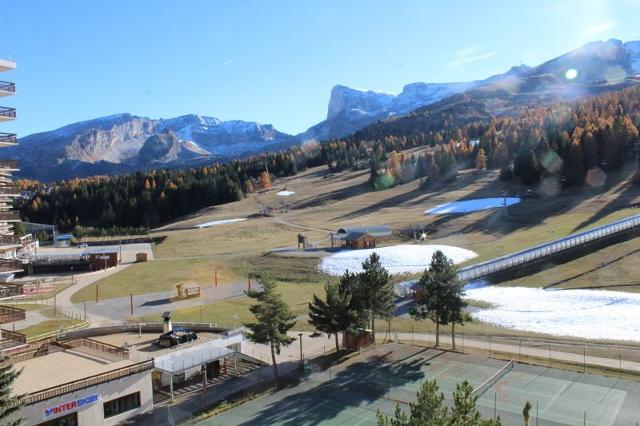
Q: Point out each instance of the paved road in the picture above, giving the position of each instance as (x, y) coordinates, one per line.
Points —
(475, 343)
(119, 309)
(63, 299)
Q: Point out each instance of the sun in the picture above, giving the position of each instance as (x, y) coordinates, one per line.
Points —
(571, 73)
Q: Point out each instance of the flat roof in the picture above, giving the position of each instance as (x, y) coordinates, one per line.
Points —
(58, 368)
(141, 346)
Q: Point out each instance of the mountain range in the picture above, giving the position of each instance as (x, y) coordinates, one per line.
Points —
(124, 142)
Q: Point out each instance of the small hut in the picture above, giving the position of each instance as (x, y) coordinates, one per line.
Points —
(359, 240)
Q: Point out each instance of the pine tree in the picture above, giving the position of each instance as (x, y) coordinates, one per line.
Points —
(429, 409)
(273, 320)
(377, 291)
(464, 410)
(9, 404)
(334, 314)
(439, 295)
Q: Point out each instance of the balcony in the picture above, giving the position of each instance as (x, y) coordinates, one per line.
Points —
(11, 314)
(7, 63)
(10, 265)
(7, 89)
(7, 114)
(9, 190)
(10, 240)
(8, 139)
(9, 216)
(11, 165)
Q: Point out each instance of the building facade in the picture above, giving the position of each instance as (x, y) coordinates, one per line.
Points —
(9, 242)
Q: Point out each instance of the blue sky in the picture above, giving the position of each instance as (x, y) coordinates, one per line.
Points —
(272, 61)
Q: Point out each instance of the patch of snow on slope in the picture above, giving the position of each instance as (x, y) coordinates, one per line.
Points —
(218, 222)
(396, 259)
(468, 206)
(285, 193)
(589, 314)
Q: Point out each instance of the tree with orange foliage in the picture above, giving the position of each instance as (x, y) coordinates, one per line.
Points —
(265, 180)
(481, 160)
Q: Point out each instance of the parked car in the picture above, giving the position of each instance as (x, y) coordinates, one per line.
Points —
(176, 337)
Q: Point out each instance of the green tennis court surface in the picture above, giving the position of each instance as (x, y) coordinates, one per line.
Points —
(352, 393)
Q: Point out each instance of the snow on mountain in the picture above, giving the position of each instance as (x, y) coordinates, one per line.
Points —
(124, 142)
(600, 61)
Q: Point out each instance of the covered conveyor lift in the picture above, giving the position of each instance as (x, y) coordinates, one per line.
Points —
(193, 358)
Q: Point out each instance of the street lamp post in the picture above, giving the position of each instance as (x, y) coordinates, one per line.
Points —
(300, 337)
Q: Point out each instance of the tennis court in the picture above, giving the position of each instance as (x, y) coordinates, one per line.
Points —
(377, 380)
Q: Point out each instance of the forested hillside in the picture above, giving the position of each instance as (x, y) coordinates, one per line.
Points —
(562, 142)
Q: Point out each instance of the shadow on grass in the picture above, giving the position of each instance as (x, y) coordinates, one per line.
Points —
(588, 271)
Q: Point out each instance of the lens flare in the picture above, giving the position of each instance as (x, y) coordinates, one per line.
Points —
(571, 73)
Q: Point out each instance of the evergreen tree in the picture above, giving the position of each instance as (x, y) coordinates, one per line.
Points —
(273, 320)
(377, 291)
(334, 314)
(464, 411)
(439, 295)
(429, 409)
(9, 404)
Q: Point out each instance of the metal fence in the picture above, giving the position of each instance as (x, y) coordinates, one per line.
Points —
(531, 254)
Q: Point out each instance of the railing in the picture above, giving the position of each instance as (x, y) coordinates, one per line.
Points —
(529, 255)
(55, 391)
(7, 87)
(6, 56)
(8, 164)
(7, 216)
(11, 339)
(8, 138)
(10, 240)
(9, 265)
(97, 345)
(11, 314)
(8, 190)
(7, 112)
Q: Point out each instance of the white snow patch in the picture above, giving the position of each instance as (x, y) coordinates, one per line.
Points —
(589, 314)
(468, 206)
(218, 222)
(396, 259)
(285, 193)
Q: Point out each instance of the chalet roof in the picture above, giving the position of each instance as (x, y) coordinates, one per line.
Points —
(355, 236)
(375, 231)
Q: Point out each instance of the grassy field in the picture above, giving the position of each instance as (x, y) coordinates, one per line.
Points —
(613, 268)
(297, 296)
(49, 326)
(149, 277)
(325, 201)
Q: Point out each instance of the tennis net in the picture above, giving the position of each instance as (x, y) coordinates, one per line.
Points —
(484, 386)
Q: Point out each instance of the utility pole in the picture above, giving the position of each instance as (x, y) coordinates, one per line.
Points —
(300, 337)
(131, 302)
